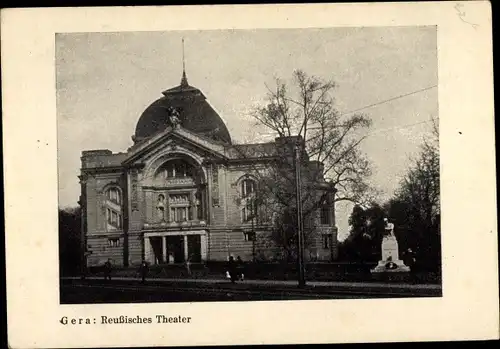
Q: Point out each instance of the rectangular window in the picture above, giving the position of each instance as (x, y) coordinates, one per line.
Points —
(325, 215)
(326, 241)
(170, 171)
(263, 213)
(191, 210)
(161, 212)
(114, 218)
(114, 242)
(182, 214)
(249, 235)
(244, 214)
(178, 214)
(181, 170)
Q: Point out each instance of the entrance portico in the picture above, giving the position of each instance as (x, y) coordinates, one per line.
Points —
(171, 247)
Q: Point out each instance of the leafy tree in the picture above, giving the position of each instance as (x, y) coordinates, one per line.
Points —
(353, 248)
(69, 240)
(367, 226)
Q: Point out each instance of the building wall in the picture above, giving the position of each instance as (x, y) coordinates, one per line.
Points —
(226, 232)
(135, 246)
(98, 232)
(102, 251)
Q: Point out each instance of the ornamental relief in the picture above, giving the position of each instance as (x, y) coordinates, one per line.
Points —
(215, 185)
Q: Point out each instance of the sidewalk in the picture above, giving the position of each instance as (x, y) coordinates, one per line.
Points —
(287, 283)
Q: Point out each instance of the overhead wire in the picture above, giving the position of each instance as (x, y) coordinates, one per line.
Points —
(377, 104)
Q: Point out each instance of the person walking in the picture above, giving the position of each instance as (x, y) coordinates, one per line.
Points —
(241, 268)
(231, 268)
(144, 270)
(107, 270)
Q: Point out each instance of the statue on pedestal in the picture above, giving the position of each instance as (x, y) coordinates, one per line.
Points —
(174, 117)
(390, 261)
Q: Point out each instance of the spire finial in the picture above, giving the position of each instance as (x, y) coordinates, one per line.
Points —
(184, 81)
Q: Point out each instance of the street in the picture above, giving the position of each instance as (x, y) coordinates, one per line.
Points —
(133, 291)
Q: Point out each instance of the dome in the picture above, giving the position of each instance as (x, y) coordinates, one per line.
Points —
(194, 112)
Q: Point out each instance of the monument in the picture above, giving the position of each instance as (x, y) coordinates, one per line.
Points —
(390, 261)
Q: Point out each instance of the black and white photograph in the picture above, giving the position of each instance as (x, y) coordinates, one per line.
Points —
(234, 165)
(249, 174)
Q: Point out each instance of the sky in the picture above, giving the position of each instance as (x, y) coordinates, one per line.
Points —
(104, 81)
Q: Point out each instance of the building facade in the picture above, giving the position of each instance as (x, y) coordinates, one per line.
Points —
(183, 190)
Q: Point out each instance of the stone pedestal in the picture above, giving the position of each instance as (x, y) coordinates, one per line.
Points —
(390, 262)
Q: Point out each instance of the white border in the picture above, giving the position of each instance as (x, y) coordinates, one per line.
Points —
(469, 308)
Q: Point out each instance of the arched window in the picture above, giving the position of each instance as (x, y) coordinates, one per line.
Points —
(113, 206)
(325, 213)
(113, 194)
(247, 187)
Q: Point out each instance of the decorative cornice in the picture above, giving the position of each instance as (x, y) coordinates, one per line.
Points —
(102, 170)
(177, 142)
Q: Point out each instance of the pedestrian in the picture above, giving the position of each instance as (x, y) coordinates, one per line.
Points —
(107, 270)
(241, 268)
(231, 268)
(411, 262)
(144, 270)
(188, 265)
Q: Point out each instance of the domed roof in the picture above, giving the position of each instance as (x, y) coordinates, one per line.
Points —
(194, 112)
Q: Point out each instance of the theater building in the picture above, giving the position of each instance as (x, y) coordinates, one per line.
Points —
(182, 191)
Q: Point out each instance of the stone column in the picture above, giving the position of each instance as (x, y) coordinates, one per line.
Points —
(164, 248)
(167, 207)
(192, 205)
(147, 250)
(203, 247)
(203, 205)
(186, 252)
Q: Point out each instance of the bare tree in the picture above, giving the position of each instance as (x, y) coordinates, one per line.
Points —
(332, 166)
(330, 138)
(417, 202)
(421, 187)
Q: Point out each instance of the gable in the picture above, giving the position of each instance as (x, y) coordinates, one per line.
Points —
(177, 139)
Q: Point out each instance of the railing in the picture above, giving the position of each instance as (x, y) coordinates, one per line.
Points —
(179, 181)
(185, 224)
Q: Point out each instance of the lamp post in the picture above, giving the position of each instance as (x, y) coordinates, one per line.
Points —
(253, 234)
(300, 242)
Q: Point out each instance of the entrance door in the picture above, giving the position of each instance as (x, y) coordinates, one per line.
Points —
(175, 249)
(194, 248)
(157, 250)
